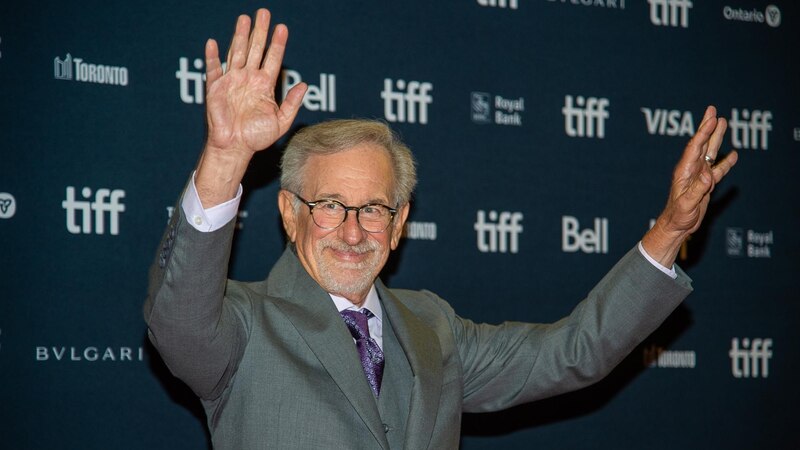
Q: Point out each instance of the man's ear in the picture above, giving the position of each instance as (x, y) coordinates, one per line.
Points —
(399, 221)
(286, 207)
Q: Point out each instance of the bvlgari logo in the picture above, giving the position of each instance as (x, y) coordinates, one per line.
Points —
(89, 354)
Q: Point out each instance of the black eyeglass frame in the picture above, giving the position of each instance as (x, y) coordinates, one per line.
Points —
(357, 209)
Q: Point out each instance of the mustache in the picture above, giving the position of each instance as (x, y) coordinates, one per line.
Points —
(360, 248)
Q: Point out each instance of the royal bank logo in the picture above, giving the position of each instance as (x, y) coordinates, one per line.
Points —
(79, 217)
(585, 117)
(511, 4)
(409, 103)
(588, 240)
(496, 109)
(750, 357)
(241, 215)
(750, 129)
(771, 15)
(89, 354)
(76, 69)
(498, 232)
(668, 122)
(319, 97)
(8, 205)
(609, 4)
(425, 231)
(655, 356)
(750, 244)
(670, 13)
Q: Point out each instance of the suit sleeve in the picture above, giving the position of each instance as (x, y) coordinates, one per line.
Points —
(199, 336)
(513, 363)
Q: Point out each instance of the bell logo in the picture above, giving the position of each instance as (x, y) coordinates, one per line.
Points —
(589, 240)
(105, 201)
(751, 360)
(402, 105)
(501, 233)
(586, 117)
(321, 97)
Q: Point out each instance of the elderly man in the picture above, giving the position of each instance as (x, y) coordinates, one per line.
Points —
(321, 354)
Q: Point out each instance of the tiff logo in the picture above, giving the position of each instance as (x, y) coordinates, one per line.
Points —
(672, 13)
(501, 233)
(191, 83)
(105, 201)
(402, 105)
(752, 359)
(512, 4)
(590, 240)
(586, 117)
(751, 131)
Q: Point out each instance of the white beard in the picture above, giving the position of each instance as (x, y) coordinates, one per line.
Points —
(333, 273)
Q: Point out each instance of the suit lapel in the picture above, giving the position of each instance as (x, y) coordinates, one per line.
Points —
(314, 315)
(421, 346)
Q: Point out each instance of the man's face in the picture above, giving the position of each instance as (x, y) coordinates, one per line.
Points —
(346, 260)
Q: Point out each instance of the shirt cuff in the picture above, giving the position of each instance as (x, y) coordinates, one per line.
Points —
(671, 271)
(211, 219)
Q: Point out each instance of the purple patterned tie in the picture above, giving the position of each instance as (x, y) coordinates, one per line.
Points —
(368, 349)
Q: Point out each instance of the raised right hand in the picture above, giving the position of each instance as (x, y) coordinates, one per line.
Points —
(242, 112)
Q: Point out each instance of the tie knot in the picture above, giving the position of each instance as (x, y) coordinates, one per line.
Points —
(357, 322)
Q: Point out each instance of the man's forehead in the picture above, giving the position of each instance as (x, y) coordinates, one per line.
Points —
(362, 173)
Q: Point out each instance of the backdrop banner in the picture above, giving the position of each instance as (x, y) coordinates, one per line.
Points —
(546, 132)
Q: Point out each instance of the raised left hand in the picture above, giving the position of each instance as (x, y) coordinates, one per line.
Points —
(693, 180)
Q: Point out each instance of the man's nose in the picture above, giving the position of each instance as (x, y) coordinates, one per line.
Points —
(351, 231)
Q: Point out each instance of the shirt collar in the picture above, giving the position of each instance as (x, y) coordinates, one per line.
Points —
(372, 303)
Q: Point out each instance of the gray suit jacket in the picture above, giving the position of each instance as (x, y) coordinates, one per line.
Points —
(275, 366)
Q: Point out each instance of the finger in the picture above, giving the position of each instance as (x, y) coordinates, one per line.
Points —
(692, 159)
(290, 106)
(710, 112)
(237, 52)
(716, 138)
(277, 47)
(695, 149)
(724, 166)
(258, 39)
(213, 65)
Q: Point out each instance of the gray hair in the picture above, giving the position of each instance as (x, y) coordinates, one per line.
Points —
(334, 136)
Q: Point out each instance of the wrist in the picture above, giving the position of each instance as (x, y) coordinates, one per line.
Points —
(219, 175)
(663, 244)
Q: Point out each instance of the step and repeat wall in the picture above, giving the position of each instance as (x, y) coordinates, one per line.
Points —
(546, 132)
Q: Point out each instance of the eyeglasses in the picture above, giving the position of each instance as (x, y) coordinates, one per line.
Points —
(329, 214)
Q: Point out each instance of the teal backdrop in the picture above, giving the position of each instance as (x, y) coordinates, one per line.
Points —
(546, 132)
